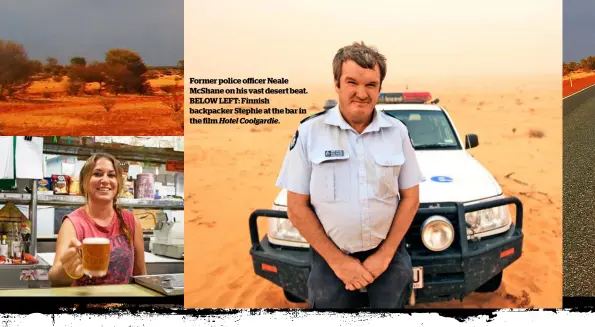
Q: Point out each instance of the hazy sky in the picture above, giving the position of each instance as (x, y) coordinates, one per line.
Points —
(579, 29)
(424, 38)
(89, 28)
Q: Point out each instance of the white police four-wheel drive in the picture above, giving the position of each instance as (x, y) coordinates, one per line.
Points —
(462, 237)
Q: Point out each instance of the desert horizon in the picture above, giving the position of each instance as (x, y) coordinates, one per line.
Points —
(498, 80)
(578, 75)
(520, 137)
(80, 97)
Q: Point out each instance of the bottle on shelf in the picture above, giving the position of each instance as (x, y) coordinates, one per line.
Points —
(16, 244)
(25, 236)
(3, 249)
(9, 238)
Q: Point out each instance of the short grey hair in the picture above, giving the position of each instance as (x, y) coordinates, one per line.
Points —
(365, 56)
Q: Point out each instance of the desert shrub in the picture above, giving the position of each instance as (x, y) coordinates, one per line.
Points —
(127, 71)
(78, 61)
(53, 67)
(46, 93)
(16, 70)
(36, 66)
(588, 64)
(91, 92)
(168, 88)
(152, 74)
(107, 103)
(175, 98)
(57, 79)
(51, 61)
(181, 66)
(74, 87)
(535, 133)
(569, 67)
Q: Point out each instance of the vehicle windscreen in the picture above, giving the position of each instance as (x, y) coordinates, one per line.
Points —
(429, 130)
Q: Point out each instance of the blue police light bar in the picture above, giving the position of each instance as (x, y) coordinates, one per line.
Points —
(404, 97)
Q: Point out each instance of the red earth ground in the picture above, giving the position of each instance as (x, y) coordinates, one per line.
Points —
(577, 85)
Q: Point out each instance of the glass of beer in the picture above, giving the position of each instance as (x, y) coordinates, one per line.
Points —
(96, 255)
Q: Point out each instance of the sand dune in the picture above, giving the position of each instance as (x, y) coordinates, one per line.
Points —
(233, 170)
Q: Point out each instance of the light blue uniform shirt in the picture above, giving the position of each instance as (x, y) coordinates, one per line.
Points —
(353, 180)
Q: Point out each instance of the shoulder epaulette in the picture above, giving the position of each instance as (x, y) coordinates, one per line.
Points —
(312, 116)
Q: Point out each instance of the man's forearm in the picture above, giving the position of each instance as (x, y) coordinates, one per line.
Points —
(307, 223)
(401, 223)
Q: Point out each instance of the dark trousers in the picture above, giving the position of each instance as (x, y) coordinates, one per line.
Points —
(391, 290)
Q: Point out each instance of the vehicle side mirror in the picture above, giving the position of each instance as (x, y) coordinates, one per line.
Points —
(471, 141)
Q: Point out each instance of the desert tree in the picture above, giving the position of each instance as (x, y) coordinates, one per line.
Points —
(78, 61)
(53, 67)
(180, 66)
(127, 71)
(16, 70)
(174, 100)
(568, 68)
(79, 75)
(118, 79)
(566, 72)
(36, 66)
(588, 64)
(52, 61)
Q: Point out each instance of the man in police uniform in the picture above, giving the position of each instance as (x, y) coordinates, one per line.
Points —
(352, 179)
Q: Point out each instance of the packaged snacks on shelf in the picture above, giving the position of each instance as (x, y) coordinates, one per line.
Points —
(61, 184)
(44, 185)
(74, 186)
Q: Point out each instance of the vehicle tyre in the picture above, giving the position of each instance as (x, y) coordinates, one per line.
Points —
(491, 285)
(292, 298)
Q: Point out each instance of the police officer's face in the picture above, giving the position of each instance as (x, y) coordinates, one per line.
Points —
(358, 91)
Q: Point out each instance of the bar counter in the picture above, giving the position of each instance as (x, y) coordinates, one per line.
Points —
(97, 297)
(17, 278)
(156, 264)
(101, 291)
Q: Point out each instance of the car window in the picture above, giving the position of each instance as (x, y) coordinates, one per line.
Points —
(429, 130)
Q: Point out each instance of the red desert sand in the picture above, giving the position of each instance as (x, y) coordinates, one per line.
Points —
(233, 169)
(46, 109)
(580, 81)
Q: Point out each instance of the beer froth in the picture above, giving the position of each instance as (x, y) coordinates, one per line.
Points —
(96, 241)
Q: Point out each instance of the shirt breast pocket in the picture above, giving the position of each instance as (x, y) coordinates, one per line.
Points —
(331, 179)
(387, 168)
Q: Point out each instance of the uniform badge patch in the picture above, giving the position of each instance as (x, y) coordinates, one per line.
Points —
(333, 153)
(294, 140)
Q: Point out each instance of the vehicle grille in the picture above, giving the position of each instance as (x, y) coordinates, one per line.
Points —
(413, 236)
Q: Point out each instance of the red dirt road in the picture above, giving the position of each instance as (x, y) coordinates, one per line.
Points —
(577, 85)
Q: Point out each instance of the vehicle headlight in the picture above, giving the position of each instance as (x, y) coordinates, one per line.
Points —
(437, 233)
(488, 221)
(282, 229)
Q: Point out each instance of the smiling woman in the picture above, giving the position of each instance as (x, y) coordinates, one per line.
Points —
(99, 219)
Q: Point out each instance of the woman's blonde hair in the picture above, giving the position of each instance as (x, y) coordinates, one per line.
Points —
(85, 178)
